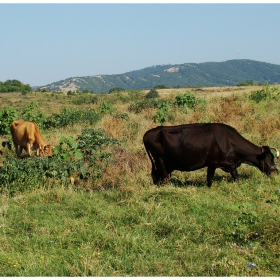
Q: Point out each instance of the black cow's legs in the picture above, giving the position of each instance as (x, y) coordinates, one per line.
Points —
(210, 175)
(234, 174)
(162, 170)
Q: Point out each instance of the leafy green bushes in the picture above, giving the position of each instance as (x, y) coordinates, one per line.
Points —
(14, 86)
(73, 160)
(162, 115)
(152, 94)
(34, 114)
(268, 92)
(185, 100)
(161, 87)
(246, 83)
(7, 116)
(138, 107)
(66, 117)
(70, 116)
(116, 89)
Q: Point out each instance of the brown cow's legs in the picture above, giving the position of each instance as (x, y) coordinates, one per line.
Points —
(18, 152)
(28, 149)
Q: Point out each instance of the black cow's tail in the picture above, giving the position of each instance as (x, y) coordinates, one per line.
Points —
(149, 155)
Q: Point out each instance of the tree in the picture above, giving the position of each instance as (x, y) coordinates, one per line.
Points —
(161, 87)
(14, 86)
(85, 90)
(116, 89)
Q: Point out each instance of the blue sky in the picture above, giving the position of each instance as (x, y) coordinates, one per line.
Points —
(45, 43)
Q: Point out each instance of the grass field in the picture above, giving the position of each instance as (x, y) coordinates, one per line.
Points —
(123, 225)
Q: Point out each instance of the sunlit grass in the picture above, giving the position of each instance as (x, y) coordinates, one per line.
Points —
(123, 225)
(166, 231)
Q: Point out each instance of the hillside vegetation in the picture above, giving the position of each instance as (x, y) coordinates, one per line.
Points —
(227, 73)
(92, 210)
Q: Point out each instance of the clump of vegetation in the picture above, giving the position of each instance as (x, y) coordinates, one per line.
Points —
(161, 87)
(186, 100)
(246, 83)
(162, 116)
(7, 116)
(116, 90)
(14, 86)
(138, 107)
(73, 160)
(152, 94)
(266, 93)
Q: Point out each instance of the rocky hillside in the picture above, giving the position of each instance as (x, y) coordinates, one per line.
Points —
(226, 73)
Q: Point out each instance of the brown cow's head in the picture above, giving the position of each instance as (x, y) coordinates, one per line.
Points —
(266, 160)
(46, 151)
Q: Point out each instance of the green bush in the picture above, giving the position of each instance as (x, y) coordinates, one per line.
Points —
(186, 100)
(7, 116)
(162, 115)
(105, 108)
(161, 87)
(138, 107)
(34, 114)
(246, 83)
(14, 86)
(152, 94)
(116, 90)
(70, 116)
(268, 92)
(78, 159)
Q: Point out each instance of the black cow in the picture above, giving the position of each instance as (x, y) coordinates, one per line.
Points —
(193, 146)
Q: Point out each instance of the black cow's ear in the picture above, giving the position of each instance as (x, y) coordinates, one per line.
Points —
(261, 156)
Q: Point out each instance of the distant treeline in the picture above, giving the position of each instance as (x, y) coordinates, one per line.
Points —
(14, 86)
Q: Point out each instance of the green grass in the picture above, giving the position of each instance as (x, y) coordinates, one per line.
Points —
(122, 224)
(167, 231)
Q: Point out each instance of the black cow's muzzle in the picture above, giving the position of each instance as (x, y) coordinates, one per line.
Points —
(271, 170)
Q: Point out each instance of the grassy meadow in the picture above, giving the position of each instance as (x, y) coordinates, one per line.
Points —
(120, 224)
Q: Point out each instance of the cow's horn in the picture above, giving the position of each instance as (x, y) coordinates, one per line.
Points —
(277, 152)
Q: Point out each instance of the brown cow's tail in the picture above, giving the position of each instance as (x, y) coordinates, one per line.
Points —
(16, 123)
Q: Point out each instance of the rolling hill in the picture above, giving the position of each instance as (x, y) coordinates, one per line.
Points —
(226, 73)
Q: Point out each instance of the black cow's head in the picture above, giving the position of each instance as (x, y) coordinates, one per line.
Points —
(266, 160)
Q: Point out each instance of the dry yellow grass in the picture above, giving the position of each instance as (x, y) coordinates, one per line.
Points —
(209, 91)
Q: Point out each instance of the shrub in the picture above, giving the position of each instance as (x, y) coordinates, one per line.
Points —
(266, 93)
(152, 94)
(7, 116)
(105, 108)
(14, 86)
(70, 116)
(161, 87)
(116, 89)
(34, 114)
(246, 83)
(162, 115)
(138, 107)
(186, 100)
(72, 160)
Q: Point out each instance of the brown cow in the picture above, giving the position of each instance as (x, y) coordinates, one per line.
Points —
(27, 136)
